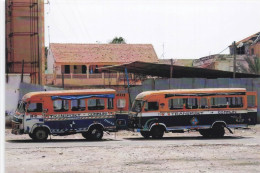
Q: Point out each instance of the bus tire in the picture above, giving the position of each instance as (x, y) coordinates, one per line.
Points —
(31, 135)
(157, 132)
(145, 134)
(218, 131)
(206, 133)
(86, 135)
(96, 133)
(40, 134)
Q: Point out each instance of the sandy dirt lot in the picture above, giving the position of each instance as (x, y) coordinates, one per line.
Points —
(129, 152)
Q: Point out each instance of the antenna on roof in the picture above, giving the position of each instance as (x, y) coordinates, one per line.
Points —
(163, 51)
(49, 36)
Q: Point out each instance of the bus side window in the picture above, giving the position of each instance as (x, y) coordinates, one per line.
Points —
(218, 102)
(121, 103)
(151, 106)
(110, 103)
(35, 107)
(60, 105)
(175, 103)
(78, 105)
(96, 104)
(203, 103)
(235, 102)
(191, 103)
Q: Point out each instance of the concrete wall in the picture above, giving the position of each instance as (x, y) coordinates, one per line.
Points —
(15, 90)
(190, 83)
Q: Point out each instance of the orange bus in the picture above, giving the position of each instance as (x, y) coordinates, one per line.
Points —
(89, 112)
(208, 111)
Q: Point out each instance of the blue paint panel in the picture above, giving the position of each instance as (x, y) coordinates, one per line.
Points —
(76, 124)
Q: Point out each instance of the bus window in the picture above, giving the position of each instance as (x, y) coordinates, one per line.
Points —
(137, 106)
(35, 107)
(235, 102)
(78, 105)
(110, 103)
(175, 103)
(121, 103)
(61, 105)
(203, 103)
(191, 103)
(218, 102)
(96, 104)
(151, 106)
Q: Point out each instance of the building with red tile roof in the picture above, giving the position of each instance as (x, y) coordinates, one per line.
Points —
(82, 61)
(247, 46)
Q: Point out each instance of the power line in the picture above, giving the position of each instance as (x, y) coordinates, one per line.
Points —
(223, 50)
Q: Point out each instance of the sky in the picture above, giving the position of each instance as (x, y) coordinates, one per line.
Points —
(177, 29)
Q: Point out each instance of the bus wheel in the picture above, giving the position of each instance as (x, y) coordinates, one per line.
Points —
(40, 134)
(145, 134)
(96, 133)
(86, 135)
(31, 135)
(157, 132)
(206, 133)
(218, 131)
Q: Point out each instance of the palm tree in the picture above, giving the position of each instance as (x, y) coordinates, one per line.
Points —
(253, 64)
(118, 40)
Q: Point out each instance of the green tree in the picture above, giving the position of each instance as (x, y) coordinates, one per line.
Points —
(118, 40)
(253, 64)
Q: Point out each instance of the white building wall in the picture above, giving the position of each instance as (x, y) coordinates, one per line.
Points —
(12, 92)
(50, 62)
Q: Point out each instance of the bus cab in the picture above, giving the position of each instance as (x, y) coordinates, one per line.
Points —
(89, 111)
(208, 111)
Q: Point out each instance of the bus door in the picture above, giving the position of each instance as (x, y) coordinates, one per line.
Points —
(122, 110)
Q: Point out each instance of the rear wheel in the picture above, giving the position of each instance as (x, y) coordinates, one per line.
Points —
(157, 132)
(145, 134)
(206, 133)
(86, 135)
(218, 131)
(40, 134)
(96, 133)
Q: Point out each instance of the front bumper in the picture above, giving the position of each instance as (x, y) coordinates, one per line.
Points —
(16, 128)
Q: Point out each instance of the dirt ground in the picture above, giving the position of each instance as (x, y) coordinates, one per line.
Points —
(129, 152)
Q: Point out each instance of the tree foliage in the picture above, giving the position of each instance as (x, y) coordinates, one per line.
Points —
(253, 64)
(118, 40)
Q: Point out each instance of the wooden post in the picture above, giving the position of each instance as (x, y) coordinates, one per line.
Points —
(234, 61)
(62, 80)
(22, 71)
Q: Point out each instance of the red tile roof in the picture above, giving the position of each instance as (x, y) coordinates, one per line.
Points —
(111, 53)
(251, 38)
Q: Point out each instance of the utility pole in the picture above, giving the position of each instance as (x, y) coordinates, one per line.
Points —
(22, 71)
(171, 68)
(234, 61)
(62, 79)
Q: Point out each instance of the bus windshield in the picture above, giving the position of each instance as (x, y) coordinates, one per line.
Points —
(137, 106)
(21, 107)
